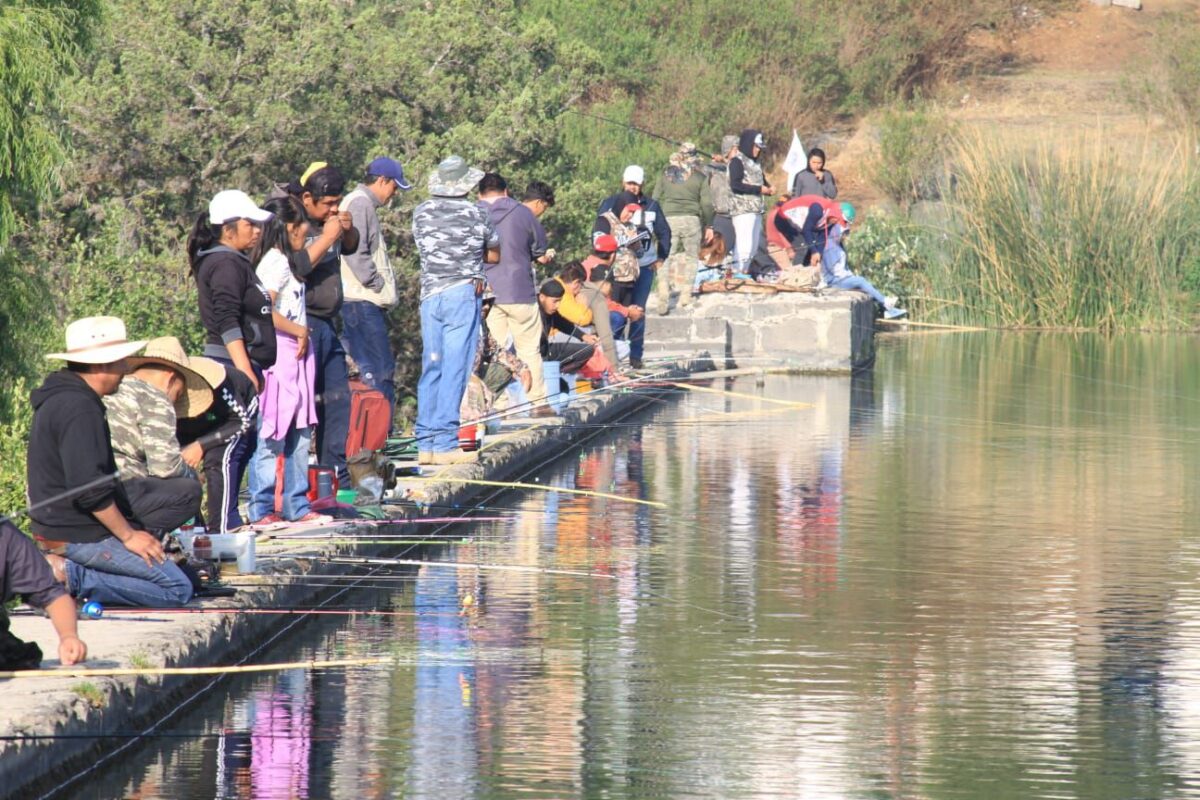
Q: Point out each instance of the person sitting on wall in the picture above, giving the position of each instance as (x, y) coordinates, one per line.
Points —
(159, 478)
(24, 572)
(595, 295)
(574, 346)
(78, 508)
(837, 274)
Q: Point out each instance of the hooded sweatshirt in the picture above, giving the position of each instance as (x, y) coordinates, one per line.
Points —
(522, 239)
(234, 305)
(746, 178)
(69, 447)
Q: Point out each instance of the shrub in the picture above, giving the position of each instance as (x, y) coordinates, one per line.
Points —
(910, 164)
(1068, 234)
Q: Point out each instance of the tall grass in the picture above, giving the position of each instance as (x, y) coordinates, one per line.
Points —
(1082, 233)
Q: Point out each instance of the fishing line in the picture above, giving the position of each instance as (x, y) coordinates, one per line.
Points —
(538, 486)
(405, 562)
(230, 669)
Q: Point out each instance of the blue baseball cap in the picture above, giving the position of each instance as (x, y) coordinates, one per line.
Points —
(386, 167)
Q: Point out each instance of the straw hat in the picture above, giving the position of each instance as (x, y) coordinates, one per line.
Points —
(213, 372)
(166, 351)
(97, 340)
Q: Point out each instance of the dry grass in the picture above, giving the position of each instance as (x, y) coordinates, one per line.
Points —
(1081, 232)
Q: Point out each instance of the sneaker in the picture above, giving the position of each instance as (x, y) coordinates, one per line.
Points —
(894, 313)
(271, 522)
(456, 457)
(890, 301)
(313, 518)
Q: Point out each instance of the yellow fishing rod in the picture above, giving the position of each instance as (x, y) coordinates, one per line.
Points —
(538, 486)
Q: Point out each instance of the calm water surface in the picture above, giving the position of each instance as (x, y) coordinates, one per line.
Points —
(970, 574)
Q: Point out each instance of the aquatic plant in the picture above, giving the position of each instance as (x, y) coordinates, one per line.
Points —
(1082, 233)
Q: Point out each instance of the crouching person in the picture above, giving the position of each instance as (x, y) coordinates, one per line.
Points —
(159, 479)
(24, 572)
(78, 507)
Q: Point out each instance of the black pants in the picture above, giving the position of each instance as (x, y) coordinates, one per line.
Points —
(163, 504)
(571, 356)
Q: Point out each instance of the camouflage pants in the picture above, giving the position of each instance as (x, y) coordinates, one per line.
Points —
(680, 267)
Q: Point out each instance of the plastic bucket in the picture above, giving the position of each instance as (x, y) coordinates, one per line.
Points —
(554, 394)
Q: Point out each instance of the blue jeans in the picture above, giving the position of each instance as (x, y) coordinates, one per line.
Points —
(449, 332)
(332, 388)
(641, 293)
(294, 449)
(857, 283)
(106, 572)
(365, 328)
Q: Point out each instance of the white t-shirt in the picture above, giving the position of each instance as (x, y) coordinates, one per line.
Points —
(276, 275)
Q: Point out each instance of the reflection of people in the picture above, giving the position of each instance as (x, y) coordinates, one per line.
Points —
(78, 508)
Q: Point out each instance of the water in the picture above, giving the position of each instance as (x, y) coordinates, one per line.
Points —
(971, 574)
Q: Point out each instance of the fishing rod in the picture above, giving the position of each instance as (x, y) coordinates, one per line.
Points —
(407, 562)
(632, 127)
(69, 493)
(221, 670)
(539, 486)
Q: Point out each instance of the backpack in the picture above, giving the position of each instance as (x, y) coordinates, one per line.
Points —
(370, 420)
(625, 267)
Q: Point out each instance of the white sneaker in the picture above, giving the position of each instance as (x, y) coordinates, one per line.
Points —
(894, 313)
(890, 301)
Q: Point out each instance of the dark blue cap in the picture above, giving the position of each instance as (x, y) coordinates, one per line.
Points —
(386, 167)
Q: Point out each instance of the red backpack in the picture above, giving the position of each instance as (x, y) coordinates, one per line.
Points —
(370, 419)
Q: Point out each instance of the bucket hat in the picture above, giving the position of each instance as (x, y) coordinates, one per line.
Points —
(454, 178)
(97, 340)
(167, 351)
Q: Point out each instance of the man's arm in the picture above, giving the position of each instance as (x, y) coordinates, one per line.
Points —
(156, 425)
(662, 231)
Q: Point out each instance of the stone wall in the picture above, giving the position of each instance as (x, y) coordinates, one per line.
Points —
(820, 333)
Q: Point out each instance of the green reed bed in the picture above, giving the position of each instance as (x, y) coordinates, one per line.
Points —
(1082, 233)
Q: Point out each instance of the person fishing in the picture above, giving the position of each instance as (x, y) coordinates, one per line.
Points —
(837, 274)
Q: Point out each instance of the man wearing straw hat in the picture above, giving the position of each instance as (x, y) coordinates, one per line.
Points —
(454, 238)
(78, 507)
(159, 479)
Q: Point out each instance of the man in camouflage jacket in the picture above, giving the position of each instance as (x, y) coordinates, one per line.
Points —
(454, 237)
(158, 477)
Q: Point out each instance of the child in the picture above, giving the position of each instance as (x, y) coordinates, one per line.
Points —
(24, 571)
(287, 404)
(837, 275)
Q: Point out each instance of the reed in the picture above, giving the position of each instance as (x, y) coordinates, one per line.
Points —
(1080, 233)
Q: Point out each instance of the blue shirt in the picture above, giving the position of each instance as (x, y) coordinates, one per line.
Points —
(522, 239)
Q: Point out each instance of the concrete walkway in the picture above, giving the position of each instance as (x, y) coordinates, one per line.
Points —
(70, 711)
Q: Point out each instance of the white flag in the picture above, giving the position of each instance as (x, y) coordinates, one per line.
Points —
(796, 159)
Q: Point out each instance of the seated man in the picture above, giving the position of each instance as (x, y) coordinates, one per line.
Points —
(595, 295)
(217, 433)
(573, 347)
(160, 481)
(570, 308)
(838, 276)
(23, 571)
(78, 507)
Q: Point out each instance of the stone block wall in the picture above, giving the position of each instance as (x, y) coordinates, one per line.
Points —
(831, 332)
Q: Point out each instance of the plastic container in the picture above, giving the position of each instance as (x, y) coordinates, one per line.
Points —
(346, 496)
(554, 394)
(232, 547)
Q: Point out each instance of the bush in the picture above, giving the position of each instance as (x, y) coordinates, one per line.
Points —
(910, 164)
(1068, 234)
(887, 251)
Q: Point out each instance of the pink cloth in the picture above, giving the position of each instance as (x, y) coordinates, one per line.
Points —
(287, 398)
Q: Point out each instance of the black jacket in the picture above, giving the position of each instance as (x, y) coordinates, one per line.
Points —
(234, 305)
(233, 413)
(69, 447)
(737, 172)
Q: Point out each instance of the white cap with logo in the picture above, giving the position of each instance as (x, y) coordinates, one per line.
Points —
(634, 174)
(234, 204)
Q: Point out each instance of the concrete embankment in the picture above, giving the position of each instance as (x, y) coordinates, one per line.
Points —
(55, 727)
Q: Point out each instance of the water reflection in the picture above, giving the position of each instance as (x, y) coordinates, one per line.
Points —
(968, 574)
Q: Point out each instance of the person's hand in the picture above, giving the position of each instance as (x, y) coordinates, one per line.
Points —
(551, 254)
(344, 220)
(254, 380)
(767, 190)
(636, 313)
(708, 234)
(302, 345)
(143, 544)
(332, 227)
(526, 379)
(656, 264)
(71, 650)
(192, 455)
(591, 338)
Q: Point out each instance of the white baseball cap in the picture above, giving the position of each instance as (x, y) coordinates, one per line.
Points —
(634, 174)
(234, 204)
